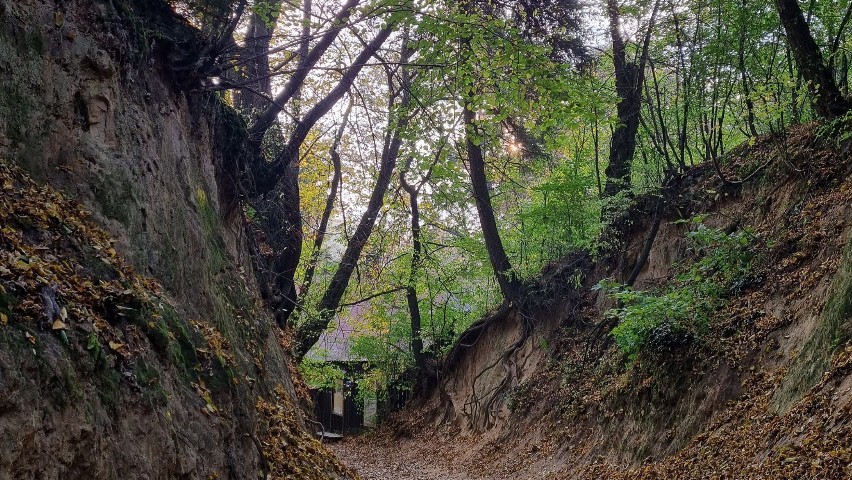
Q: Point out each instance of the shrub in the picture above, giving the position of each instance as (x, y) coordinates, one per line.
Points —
(675, 314)
(319, 374)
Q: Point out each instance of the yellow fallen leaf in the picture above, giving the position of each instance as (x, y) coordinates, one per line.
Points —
(59, 325)
(4, 320)
(116, 346)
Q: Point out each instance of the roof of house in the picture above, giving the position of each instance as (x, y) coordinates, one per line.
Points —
(335, 344)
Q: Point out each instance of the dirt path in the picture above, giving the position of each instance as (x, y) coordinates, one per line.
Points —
(395, 462)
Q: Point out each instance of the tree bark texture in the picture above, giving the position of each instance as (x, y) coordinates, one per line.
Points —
(629, 79)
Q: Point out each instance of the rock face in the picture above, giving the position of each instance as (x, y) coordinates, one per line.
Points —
(88, 108)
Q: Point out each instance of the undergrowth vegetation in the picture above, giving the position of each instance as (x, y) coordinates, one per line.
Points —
(717, 264)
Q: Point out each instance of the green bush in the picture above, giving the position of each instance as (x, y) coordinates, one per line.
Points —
(673, 315)
(319, 374)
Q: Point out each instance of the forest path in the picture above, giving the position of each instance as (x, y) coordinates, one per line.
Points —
(396, 461)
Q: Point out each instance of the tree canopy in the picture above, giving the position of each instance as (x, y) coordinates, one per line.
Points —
(425, 159)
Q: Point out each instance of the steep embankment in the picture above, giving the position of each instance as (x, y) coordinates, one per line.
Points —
(764, 392)
(105, 373)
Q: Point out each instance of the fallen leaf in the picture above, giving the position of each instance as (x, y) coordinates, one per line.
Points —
(59, 325)
(116, 346)
(4, 320)
(30, 338)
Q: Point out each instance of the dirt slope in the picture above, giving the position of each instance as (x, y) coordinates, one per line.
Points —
(765, 393)
(132, 341)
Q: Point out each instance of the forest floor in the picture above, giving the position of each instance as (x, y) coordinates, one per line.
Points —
(396, 460)
(375, 461)
(438, 456)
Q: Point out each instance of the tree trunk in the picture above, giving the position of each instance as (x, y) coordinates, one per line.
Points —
(309, 332)
(291, 237)
(744, 80)
(279, 182)
(259, 33)
(827, 101)
(510, 286)
(310, 269)
(629, 78)
(266, 175)
(267, 118)
(411, 287)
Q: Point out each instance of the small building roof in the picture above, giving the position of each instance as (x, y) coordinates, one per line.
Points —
(335, 344)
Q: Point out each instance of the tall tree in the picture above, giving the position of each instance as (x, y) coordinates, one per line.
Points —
(507, 278)
(411, 295)
(827, 99)
(278, 181)
(309, 331)
(319, 237)
(629, 80)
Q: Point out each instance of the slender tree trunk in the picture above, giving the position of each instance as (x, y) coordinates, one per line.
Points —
(596, 139)
(835, 44)
(629, 78)
(267, 118)
(311, 267)
(510, 285)
(309, 332)
(266, 175)
(744, 80)
(828, 102)
(411, 286)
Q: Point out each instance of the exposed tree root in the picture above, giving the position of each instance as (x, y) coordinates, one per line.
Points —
(492, 397)
(472, 335)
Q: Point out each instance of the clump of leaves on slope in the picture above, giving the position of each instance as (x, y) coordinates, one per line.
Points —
(290, 453)
(62, 280)
(719, 265)
(62, 269)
